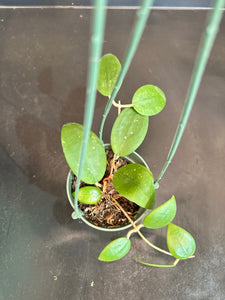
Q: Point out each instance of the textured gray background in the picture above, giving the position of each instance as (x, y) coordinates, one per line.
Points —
(43, 69)
(161, 3)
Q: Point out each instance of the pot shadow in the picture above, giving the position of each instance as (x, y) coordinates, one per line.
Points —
(46, 166)
(70, 109)
(73, 108)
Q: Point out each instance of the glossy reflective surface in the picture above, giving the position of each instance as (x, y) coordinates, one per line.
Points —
(44, 253)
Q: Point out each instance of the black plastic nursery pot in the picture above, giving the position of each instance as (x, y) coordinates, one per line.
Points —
(132, 158)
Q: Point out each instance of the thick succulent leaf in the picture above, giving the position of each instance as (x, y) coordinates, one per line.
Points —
(89, 195)
(180, 242)
(136, 183)
(115, 250)
(162, 215)
(128, 132)
(95, 161)
(149, 100)
(109, 70)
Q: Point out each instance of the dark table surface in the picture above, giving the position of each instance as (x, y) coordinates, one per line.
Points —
(43, 69)
(158, 3)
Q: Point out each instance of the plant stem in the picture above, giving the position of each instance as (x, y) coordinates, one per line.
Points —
(159, 266)
(137, 229)
(119, 108)
(141, 19)
(98, 26)
(98, 185)
(199, 67)
(112, 164)
(121, 105)
(125, 213)
(152, 245)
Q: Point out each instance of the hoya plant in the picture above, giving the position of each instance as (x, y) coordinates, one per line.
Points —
(133, 181)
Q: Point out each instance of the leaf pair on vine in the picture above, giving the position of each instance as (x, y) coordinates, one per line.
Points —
(130, 128)
(180, 243)
(148, 100)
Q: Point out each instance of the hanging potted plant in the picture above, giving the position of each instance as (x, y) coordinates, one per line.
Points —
(107, 176)
(117, 185)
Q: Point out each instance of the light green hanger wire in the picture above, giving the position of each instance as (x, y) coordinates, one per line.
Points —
(141, 19)
(206, 44)
(98, 25)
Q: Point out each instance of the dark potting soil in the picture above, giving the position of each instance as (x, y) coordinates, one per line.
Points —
(106, 213)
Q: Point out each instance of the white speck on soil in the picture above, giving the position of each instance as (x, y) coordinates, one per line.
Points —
(92, 284)
(55, 277)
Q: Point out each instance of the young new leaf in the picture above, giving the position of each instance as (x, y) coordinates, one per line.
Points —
(95, 161)
(89, 195)
(128, 132)
(162, 215)
(180, 242)
(136, 183)
(115, 250)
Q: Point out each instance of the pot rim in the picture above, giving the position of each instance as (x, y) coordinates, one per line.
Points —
(133, 158)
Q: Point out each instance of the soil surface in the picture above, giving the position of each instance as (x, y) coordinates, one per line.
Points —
(106, 213)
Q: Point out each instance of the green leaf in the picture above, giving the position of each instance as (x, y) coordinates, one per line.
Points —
(128, 132)
(109, 70)
(162, 215)
(153, 200)
(136, 183)
(88, 195)
(149, 100)
(115, 250)
(181, 243)
(95, 161)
